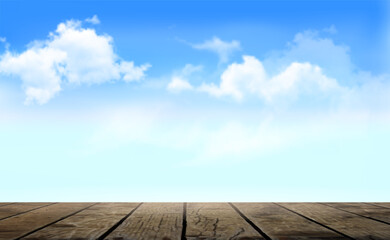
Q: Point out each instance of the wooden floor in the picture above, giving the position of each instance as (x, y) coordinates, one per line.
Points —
(194, 221)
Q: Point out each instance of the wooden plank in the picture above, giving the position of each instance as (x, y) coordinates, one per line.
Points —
(279, 223)
(347, 223)
(5, 203)
(152, 221)
(367, 210)
(382, 204)
(217, 221)
(20, 225)
(18, 208)
(88, 224)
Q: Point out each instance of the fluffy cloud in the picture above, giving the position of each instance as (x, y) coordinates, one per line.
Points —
(73, 55)
(39, 69)
(250, 78)
(238, 77)
(223, 49)
(311, 66)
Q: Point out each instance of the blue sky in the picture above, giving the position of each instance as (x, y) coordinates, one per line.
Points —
(194, 100)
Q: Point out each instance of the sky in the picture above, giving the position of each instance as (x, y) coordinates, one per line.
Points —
(194, 100)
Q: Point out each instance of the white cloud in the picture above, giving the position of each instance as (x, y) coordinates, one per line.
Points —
(250, 77)
(179, 81)
(93, 20)
(310, 66)
(238, 78)
(72, 54)
(39, 70)
(178, 84)
(131, 72)
(3, 39)
(223, 49)
(311, 72)
(309, 46)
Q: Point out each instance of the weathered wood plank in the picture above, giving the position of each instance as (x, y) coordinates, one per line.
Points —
(18, 208)
(90, 223)
(383, 204)
(279, 223)
(20, 225)
(217, 221)
(367, 210)
(152, 221)
(5, 203)
(350, 224)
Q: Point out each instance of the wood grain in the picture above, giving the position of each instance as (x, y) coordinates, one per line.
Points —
(367, 210)
(152, 221)
(17, 226)
(90, 223)
(217, 221)
(350, 224)
(279, 223)
(18, 208)
(116, 221)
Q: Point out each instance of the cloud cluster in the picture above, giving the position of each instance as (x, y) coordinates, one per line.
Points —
(250, 78)
(311, 70)
(72, 54)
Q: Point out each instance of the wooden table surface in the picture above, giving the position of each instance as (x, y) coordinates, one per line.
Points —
(130, 220)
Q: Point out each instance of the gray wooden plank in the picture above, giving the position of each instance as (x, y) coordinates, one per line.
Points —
(20, 225)
(217, 221)
(152, 221)
(382, 204)
(90, 223)
(279, 223)
(19, 208)
(350, 224)
(367, 210)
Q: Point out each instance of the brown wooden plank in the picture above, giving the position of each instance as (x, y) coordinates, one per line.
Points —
(279, 223)
(367, 210)
(5, 203)
(217, 221)
(20, 225)
(350, 224)
(382, 204)
(152, 221)
(18, 208)
(88, 224)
